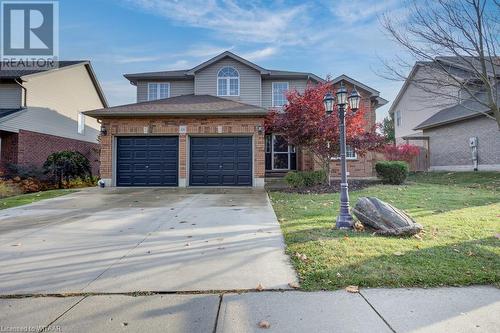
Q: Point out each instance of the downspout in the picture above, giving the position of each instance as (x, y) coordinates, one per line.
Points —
(25, 93)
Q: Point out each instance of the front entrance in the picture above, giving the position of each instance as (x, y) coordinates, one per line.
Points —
(280, 156)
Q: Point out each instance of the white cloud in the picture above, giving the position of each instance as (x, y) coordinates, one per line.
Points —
(356, 11)
(133, 59)
(248, 21)
(260, 54)
(118, 92)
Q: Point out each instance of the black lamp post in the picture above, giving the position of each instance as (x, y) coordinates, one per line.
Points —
(344, 220)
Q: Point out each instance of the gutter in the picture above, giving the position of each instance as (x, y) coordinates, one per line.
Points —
(25, 104)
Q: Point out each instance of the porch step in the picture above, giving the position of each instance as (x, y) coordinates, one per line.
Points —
(275, 183)
(276, 174)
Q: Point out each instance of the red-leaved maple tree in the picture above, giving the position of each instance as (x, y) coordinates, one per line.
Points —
(304, 124)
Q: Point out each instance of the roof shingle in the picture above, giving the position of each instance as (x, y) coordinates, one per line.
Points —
(185, 105)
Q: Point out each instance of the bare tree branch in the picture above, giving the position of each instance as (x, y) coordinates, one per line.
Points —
(456, 42)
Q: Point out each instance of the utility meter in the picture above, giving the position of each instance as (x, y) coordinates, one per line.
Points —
(473, 141)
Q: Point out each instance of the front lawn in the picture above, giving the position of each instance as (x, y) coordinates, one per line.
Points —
(25, 199)
(460, 213)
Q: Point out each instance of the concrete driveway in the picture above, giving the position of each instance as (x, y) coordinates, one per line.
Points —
(126, 240)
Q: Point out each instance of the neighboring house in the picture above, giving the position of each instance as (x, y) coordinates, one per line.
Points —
(450, 132)
(41, 112)
(441, 125)
(204, 126)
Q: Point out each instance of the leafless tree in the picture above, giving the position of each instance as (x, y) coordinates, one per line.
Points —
(456, 42)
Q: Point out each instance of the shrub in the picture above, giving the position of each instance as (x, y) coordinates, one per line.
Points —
(392, 172)
(64, 166)
(26, 171)
(305, 178)
(81, 182)
(404, 152)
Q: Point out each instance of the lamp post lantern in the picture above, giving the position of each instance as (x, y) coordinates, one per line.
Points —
(344, 220)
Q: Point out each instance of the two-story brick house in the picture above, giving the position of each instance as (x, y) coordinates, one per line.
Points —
(204, 126)
(41, 112)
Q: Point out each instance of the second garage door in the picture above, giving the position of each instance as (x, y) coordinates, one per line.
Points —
(220, 161)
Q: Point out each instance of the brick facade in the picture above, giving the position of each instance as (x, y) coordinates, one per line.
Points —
(216, 126)
(362, 166)
(449, 145)
(32, 148)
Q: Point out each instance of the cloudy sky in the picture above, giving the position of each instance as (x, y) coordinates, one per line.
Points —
(324, 37)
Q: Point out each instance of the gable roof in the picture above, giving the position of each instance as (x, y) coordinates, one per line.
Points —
(188, 74)
(22, 74)
(461, 66)
(8, 112)
(185, 105)
(470, 108)
(374, 93)
(223, 55)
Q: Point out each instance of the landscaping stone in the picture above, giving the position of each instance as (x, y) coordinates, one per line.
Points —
(385, 218)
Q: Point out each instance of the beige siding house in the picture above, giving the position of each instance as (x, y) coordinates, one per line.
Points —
(204, 126)
(452, 127)
(45, 113)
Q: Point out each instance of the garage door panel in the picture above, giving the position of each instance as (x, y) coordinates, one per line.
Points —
(147, 161)
(216, 161)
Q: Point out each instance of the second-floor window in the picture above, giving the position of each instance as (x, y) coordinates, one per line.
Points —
(228, 82)
(81, 123)
(279, 94)
(398, 118)
(158, 90)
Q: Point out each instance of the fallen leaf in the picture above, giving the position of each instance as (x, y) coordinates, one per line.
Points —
(352, 289)
(259, 287)
(264, 324)
(301, 256)
(358, 226)
(398, 253)
(294, 285)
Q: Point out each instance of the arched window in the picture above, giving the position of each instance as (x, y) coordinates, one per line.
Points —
(228, 82)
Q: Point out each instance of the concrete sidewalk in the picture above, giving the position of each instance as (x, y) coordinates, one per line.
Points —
(469, 309)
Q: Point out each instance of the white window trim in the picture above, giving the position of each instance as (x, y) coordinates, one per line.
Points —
(228, 78)
(272, 93)
(158, 90)
(355, 158)
(81, 123)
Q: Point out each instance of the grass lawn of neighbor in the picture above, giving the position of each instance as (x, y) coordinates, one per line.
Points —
(460, 244)
(25, 199)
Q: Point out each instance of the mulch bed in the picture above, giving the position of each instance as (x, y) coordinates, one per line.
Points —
(354, 184)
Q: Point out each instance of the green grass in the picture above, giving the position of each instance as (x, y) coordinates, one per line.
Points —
(25, 199)
(460, 213)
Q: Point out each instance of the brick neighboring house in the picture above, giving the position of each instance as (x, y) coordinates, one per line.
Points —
(441, 126)
(204, 126)
(41, 112)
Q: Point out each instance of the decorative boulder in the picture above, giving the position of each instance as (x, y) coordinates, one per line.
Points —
(384, 218)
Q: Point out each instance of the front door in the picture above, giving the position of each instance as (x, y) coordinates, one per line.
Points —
(280, 156)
